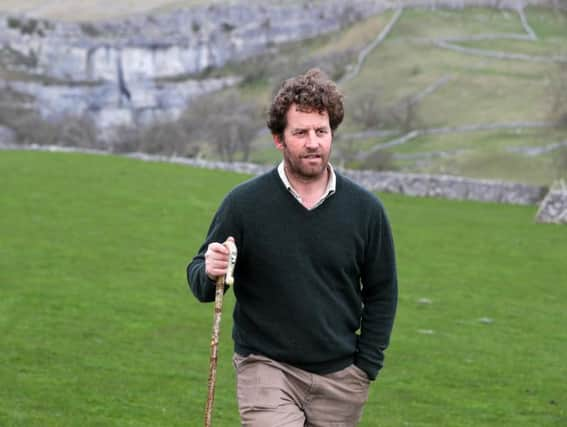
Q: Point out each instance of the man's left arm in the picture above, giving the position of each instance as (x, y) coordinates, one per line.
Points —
(379, 296)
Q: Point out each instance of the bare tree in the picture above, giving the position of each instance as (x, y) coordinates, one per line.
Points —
(367, 109)
(125, 139)
(225, 120)
(167, 138)
(404, 114)
(77, 131)
(380, 160)
(31, 128)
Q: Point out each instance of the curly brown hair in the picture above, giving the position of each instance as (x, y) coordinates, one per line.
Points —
(312, 91)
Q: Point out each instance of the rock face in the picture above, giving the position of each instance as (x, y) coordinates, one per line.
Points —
(553, 209)
(179, 43)
(145, 102)
(146, 67)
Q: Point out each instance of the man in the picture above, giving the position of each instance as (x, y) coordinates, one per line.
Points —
(315, 279)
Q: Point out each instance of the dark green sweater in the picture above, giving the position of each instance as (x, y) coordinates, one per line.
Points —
(316, 289)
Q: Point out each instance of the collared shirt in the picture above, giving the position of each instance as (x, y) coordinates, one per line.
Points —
(329, 191)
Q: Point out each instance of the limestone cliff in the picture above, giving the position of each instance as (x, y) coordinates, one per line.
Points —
(146, 66)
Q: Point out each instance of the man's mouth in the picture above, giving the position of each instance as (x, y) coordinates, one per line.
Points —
(312, 156)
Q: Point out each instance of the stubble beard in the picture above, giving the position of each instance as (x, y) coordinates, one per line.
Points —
(298, 168)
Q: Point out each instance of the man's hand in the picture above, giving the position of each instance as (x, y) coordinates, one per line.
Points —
(216, 260)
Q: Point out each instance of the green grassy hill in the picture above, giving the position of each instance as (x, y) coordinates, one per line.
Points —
(480, 91)
(99, 329)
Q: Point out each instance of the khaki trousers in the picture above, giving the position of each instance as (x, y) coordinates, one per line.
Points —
(273, 394)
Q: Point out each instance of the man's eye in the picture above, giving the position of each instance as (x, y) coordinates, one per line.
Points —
(321, 131)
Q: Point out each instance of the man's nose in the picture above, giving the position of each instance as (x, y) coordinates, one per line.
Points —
(311, 140)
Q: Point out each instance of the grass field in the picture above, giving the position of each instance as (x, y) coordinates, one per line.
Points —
(99, 329)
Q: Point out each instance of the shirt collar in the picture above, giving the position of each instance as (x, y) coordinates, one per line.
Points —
(329, 191)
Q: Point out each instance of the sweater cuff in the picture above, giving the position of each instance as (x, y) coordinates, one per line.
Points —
(371, 369)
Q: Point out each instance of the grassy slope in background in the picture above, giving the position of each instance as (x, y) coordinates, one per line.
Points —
(98, 327)
(481, 90)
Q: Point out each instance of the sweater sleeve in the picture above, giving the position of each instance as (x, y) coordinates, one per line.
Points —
(379, 296)
(222, 226)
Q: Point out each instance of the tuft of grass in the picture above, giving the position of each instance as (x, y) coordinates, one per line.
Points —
(98, 326)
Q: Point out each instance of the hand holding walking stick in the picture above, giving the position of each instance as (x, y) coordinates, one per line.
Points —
(219, 293)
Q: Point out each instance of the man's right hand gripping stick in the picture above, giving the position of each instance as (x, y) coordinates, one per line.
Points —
(219, 293)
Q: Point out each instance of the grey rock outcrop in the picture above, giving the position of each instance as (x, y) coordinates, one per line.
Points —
(553, 209)
(178, 43)
(146, 102)
(145, 68)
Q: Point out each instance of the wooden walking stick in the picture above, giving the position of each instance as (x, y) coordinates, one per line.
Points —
(219, 293)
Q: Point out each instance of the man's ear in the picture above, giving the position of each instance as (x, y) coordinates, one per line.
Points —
(278, 142)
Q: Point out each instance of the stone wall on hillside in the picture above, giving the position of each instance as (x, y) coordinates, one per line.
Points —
(553, 209)
(420, 185)
(449, 187)
(417, 185)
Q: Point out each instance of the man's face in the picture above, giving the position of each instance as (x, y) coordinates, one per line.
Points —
(306, 145)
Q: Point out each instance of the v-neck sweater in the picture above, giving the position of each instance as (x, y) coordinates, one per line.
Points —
(317, 288)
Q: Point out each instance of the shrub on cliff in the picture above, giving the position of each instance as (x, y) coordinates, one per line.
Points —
(171, 138)
(31, 128)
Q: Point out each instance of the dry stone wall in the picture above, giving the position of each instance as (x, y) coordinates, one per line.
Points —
(420, 185)
(448, 187)
(553, 209)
